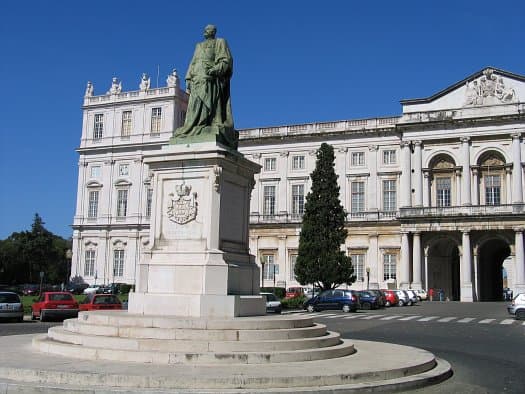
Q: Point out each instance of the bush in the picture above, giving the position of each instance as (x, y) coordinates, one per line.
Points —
(280, 292)
(293, 303)
(125, 288)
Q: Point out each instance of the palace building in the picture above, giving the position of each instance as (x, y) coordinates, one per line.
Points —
(434, 196)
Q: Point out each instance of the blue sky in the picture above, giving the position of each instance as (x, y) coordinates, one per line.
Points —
(295, 62)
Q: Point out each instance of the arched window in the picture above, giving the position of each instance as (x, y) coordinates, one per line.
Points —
(492, 182)
(443, 175)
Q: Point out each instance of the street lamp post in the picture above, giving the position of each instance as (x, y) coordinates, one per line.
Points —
(69, 257)
(368, 278)
(96, 276)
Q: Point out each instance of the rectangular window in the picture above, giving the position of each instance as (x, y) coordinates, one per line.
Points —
(358, 262)
(149, 197)
(270, 164)
(269, 200)
(126, 124)
(389, 157)
(389, 195)
(118, 263)
(358, 159)
(358, 197)
(123, 169)
(122, 202)
(297, 162)
(270, 268)
(156, 117)
(492, 190)
(98, 127)
(95, 172)
(89, 266)
(297, 199)
(443, 192)
(293, 260)
(389, 266)
(93, 204)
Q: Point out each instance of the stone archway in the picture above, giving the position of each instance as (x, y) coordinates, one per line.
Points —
(491, 255)
(444, 267)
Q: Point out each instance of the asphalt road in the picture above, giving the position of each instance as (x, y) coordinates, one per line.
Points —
(484, 345)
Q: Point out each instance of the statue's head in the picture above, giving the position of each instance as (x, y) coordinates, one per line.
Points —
(210, 31)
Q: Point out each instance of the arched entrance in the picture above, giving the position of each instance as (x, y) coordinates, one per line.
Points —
(443, 268)
(491, 255)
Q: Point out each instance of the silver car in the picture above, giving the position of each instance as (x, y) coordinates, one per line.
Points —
(10, 306)
(404, 299)
(517, 307)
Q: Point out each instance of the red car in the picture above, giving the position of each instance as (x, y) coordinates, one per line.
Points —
(95, 302)
(293, 292)
(391, 298)
(54, 304)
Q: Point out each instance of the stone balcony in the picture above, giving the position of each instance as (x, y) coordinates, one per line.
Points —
(462, 211)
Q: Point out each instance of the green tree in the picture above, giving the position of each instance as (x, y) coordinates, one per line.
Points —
(320, 259)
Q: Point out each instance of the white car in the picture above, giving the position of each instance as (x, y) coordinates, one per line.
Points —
(517, 306)
(273, 304)
(92, 289)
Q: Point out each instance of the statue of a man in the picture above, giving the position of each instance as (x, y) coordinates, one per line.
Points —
(209, 115)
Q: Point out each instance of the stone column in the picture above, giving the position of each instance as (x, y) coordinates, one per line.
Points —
(426, 267)
(405, 200)
(465, 159)
(508, 183)
(519, 261)
(416, 261)
(372, 261)
(282, 198)
(458, 188)
(426, 188)
(372, 188)
(404, 282)
(517, 185)
(475, 186)
(466, 270)
(418, 180)
(476, 271)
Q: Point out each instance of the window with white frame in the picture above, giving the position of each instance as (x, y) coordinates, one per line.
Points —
(123, 169)
(156, 119)
(95, 172)
(122, 202)
(149, 198)
(269, 200)
(389, 266)
(297, 199)
(89, 263)
(270, 164)
(125, 130)
(298, 163)
(389, 195)
(492, 189)
(270, 268)
(98, 126)
(357, 159)
(293, 260)
(389, 156)
(357, 203)
(93, 204)
(443, 194)
(358, 262)
(118, 262)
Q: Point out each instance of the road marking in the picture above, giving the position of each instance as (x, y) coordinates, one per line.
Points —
(351, 317)
(331, 316)
(446, 319)
(409, 318)
(428, 318)
(391, 317)
(370, 317)
(507, 321)
(466, 320)
(486, 321)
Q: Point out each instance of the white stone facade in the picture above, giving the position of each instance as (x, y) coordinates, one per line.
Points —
(434, 196)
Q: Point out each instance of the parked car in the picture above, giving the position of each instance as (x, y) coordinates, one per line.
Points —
(381, 299)
(413, 296)
(404, 299)
(422, 294)
(273, 304)
(30, 289)
(76, 288)
(54, 304)
(368, 299)
(347, 300)
(391, 298)
(312, 292)
(91, 289)
(11, 306)
(517, 306)
(293, 292)
(94, 302)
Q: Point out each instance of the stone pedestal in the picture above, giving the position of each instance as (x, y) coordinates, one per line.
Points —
(197, 262)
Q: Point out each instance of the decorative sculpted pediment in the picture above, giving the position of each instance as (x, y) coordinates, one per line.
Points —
(488, 90)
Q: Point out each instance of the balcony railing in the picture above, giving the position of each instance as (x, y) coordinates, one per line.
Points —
(473, 210)
(350, 217)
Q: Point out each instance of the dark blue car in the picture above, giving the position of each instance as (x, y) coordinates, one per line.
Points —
(346, 300)
(368, 300)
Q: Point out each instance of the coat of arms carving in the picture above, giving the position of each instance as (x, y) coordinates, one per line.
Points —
(183, 207)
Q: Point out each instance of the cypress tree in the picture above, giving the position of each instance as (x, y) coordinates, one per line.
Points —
(320, 259)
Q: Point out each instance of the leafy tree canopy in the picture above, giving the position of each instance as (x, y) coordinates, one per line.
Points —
(320, 259)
